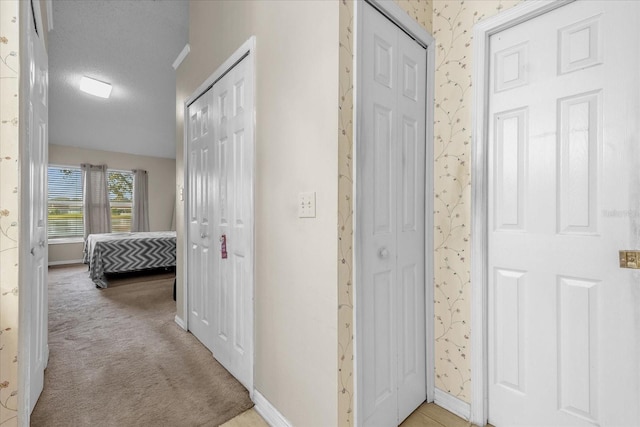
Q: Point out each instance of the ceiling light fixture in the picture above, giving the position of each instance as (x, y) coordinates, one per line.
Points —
(95, 87)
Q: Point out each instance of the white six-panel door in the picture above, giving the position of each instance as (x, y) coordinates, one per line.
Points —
(564, 197)
(34, 179)
(391, 218)
(220, 207)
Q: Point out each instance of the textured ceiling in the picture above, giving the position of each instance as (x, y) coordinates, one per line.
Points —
(130, 44)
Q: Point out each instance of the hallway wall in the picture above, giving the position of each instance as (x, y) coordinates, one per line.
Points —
(9, 202)
(296, 145)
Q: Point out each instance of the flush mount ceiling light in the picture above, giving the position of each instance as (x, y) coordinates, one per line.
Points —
(95, 87)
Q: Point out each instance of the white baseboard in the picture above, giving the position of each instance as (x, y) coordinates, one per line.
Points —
(180, 322)
(452, 404)
(66, 262)
(271, 415)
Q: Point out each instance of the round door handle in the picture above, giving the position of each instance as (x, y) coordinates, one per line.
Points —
(383, 253)
(33, 251)
(204, 235)
(41, 243)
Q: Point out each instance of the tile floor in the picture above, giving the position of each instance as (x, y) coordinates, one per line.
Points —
(431, 415)
(427, 415)
(248, 418)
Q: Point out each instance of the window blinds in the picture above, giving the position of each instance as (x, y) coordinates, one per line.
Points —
(65, 202)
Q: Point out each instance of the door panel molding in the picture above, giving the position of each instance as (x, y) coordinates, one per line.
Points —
(399, 17)
(479, 192)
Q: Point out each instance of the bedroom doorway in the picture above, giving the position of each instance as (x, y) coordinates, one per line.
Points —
(219, 222)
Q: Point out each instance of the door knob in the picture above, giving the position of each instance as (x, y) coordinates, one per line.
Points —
(41, 243)
(383, 253)
(33, 251)
(204, 235)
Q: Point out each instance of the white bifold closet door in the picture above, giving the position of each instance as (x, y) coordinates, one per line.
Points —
(391, 219)
(220, 209)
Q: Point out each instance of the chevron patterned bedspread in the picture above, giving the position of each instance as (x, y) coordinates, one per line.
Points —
(122, 252)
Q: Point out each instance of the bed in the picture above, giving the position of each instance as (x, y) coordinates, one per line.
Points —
(126, 252)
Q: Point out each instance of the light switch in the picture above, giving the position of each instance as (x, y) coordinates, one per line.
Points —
(307, 205)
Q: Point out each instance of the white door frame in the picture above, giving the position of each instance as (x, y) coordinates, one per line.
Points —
(246, 50)
(523, 12)
(400, 18)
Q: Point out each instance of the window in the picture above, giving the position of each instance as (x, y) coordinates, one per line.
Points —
(121, 199)
(65, 202)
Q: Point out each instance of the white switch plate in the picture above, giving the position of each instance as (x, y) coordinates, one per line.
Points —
(307, 205)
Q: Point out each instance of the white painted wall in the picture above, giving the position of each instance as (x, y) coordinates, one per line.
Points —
(161, 187)
(296, 140)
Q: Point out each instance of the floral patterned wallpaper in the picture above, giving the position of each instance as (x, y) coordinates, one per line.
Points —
(453, 28)
(420, 10)
(9, 72)
(345, 216)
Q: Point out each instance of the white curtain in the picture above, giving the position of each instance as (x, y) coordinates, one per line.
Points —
(140, 210)
(95, 199)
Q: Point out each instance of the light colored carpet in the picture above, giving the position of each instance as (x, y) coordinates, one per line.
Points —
(117, 358)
